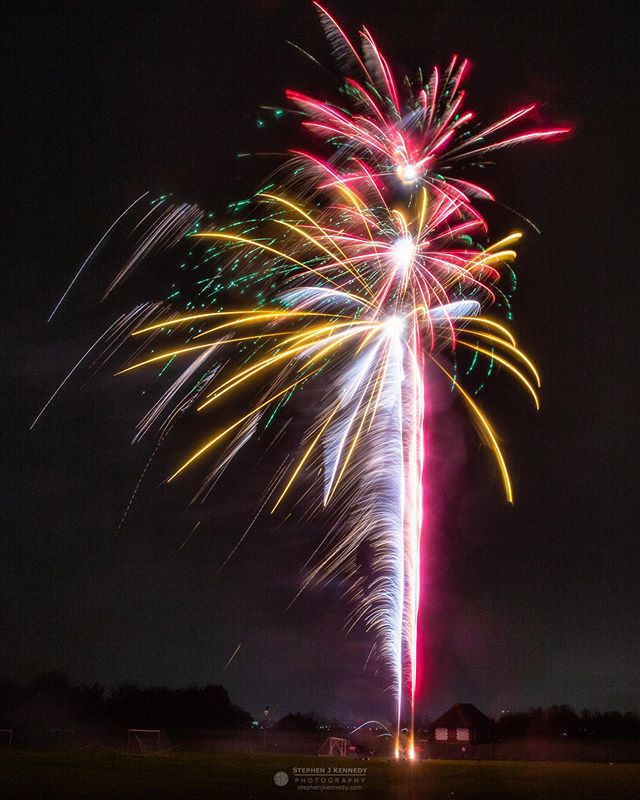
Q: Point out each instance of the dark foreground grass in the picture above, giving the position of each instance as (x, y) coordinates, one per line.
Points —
(106, 775)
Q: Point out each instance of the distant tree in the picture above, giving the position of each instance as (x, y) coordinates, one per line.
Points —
(88, 702)
(513, 724)
(51, 684)
(299, 722)
(193, 707)
(561, 720)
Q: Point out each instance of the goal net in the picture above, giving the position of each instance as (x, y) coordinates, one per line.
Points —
(145, 740)
(6, 736)
(333, 746)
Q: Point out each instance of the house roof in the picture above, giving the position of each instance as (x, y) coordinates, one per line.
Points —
(462, 715)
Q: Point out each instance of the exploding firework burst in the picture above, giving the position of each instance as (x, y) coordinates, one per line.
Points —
(371, 273)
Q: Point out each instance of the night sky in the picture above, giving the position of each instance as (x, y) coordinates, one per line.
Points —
(534, 604)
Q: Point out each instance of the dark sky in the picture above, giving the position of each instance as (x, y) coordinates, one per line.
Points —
(528, 605)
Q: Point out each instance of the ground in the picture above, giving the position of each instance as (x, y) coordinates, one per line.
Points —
(94, 774)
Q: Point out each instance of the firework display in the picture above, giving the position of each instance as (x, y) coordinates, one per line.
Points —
(362, 272)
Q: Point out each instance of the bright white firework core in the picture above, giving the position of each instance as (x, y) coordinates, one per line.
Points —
(402, 251)
(407, 173)
(394, 326)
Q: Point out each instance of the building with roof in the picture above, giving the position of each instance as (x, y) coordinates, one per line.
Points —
(463, 723)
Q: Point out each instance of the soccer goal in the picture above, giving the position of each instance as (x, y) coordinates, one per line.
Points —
(143, 740)
(333, 746)
(6, 736)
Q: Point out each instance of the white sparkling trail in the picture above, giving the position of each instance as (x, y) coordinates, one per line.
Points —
(97, 245)
(124, 319)
(235, 652)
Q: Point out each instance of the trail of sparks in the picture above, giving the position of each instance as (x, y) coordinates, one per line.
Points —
(233, 655)
(104, 236)
(371, 275)
(125, 322)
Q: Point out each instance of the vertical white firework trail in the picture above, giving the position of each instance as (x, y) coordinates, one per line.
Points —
(398, 379)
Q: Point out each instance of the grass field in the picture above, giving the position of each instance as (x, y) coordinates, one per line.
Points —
(107, 775)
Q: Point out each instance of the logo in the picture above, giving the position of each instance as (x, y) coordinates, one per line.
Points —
(281, 778)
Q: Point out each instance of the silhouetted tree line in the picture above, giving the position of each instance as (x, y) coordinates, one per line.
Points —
(50, 701)
(545, 723)
(562, 720)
